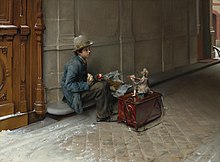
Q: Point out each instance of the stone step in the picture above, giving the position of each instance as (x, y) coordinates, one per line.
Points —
(37, 125)
(61, 108)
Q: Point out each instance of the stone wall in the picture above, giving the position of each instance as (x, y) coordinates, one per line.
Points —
(128, 35)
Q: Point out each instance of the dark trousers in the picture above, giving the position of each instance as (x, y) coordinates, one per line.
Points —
(99, 92)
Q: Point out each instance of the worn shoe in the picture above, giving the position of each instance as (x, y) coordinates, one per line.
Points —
(102, 119)
(107, 119)
(114, 113)
(113, 118)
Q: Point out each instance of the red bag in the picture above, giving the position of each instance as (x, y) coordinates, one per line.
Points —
(138, 111)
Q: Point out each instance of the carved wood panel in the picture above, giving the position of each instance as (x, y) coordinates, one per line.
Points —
(6, 103)
(6, 11)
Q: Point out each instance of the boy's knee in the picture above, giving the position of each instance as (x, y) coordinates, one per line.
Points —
(101, 85)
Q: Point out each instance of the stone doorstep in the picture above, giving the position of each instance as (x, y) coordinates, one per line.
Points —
(61, 108)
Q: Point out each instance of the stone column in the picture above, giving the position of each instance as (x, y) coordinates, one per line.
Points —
(218, 30)
(207, 42)
(126, 39)
(212, 31)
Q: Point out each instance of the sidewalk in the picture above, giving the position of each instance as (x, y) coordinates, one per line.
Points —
(209, 152)
(189, 131)
(174, 73)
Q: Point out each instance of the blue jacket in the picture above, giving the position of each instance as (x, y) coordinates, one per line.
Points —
(74, 81)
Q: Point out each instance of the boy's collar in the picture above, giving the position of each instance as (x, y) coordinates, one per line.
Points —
(82, 59)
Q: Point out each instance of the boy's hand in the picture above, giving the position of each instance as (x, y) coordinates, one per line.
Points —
(90, 79)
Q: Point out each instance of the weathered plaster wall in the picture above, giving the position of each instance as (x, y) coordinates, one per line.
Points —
(128, 35)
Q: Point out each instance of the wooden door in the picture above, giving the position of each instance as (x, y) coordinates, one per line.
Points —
(21, 83)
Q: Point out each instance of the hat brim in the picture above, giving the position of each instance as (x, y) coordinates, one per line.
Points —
(87, 45)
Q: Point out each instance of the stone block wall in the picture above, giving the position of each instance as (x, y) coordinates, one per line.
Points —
(128, 35)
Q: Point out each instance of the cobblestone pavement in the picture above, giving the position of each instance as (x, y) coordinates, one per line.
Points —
(189, 131)
(209, 152)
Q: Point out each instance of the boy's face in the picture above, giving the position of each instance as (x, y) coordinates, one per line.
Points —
(85, 52)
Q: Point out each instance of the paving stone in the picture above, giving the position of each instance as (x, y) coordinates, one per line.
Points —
(136, 159)
(121, 159)
(121, 151)
(149, 153)
(93, 146)
(107, 143)
(135, 153)
(107, 153)
(93, 137)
